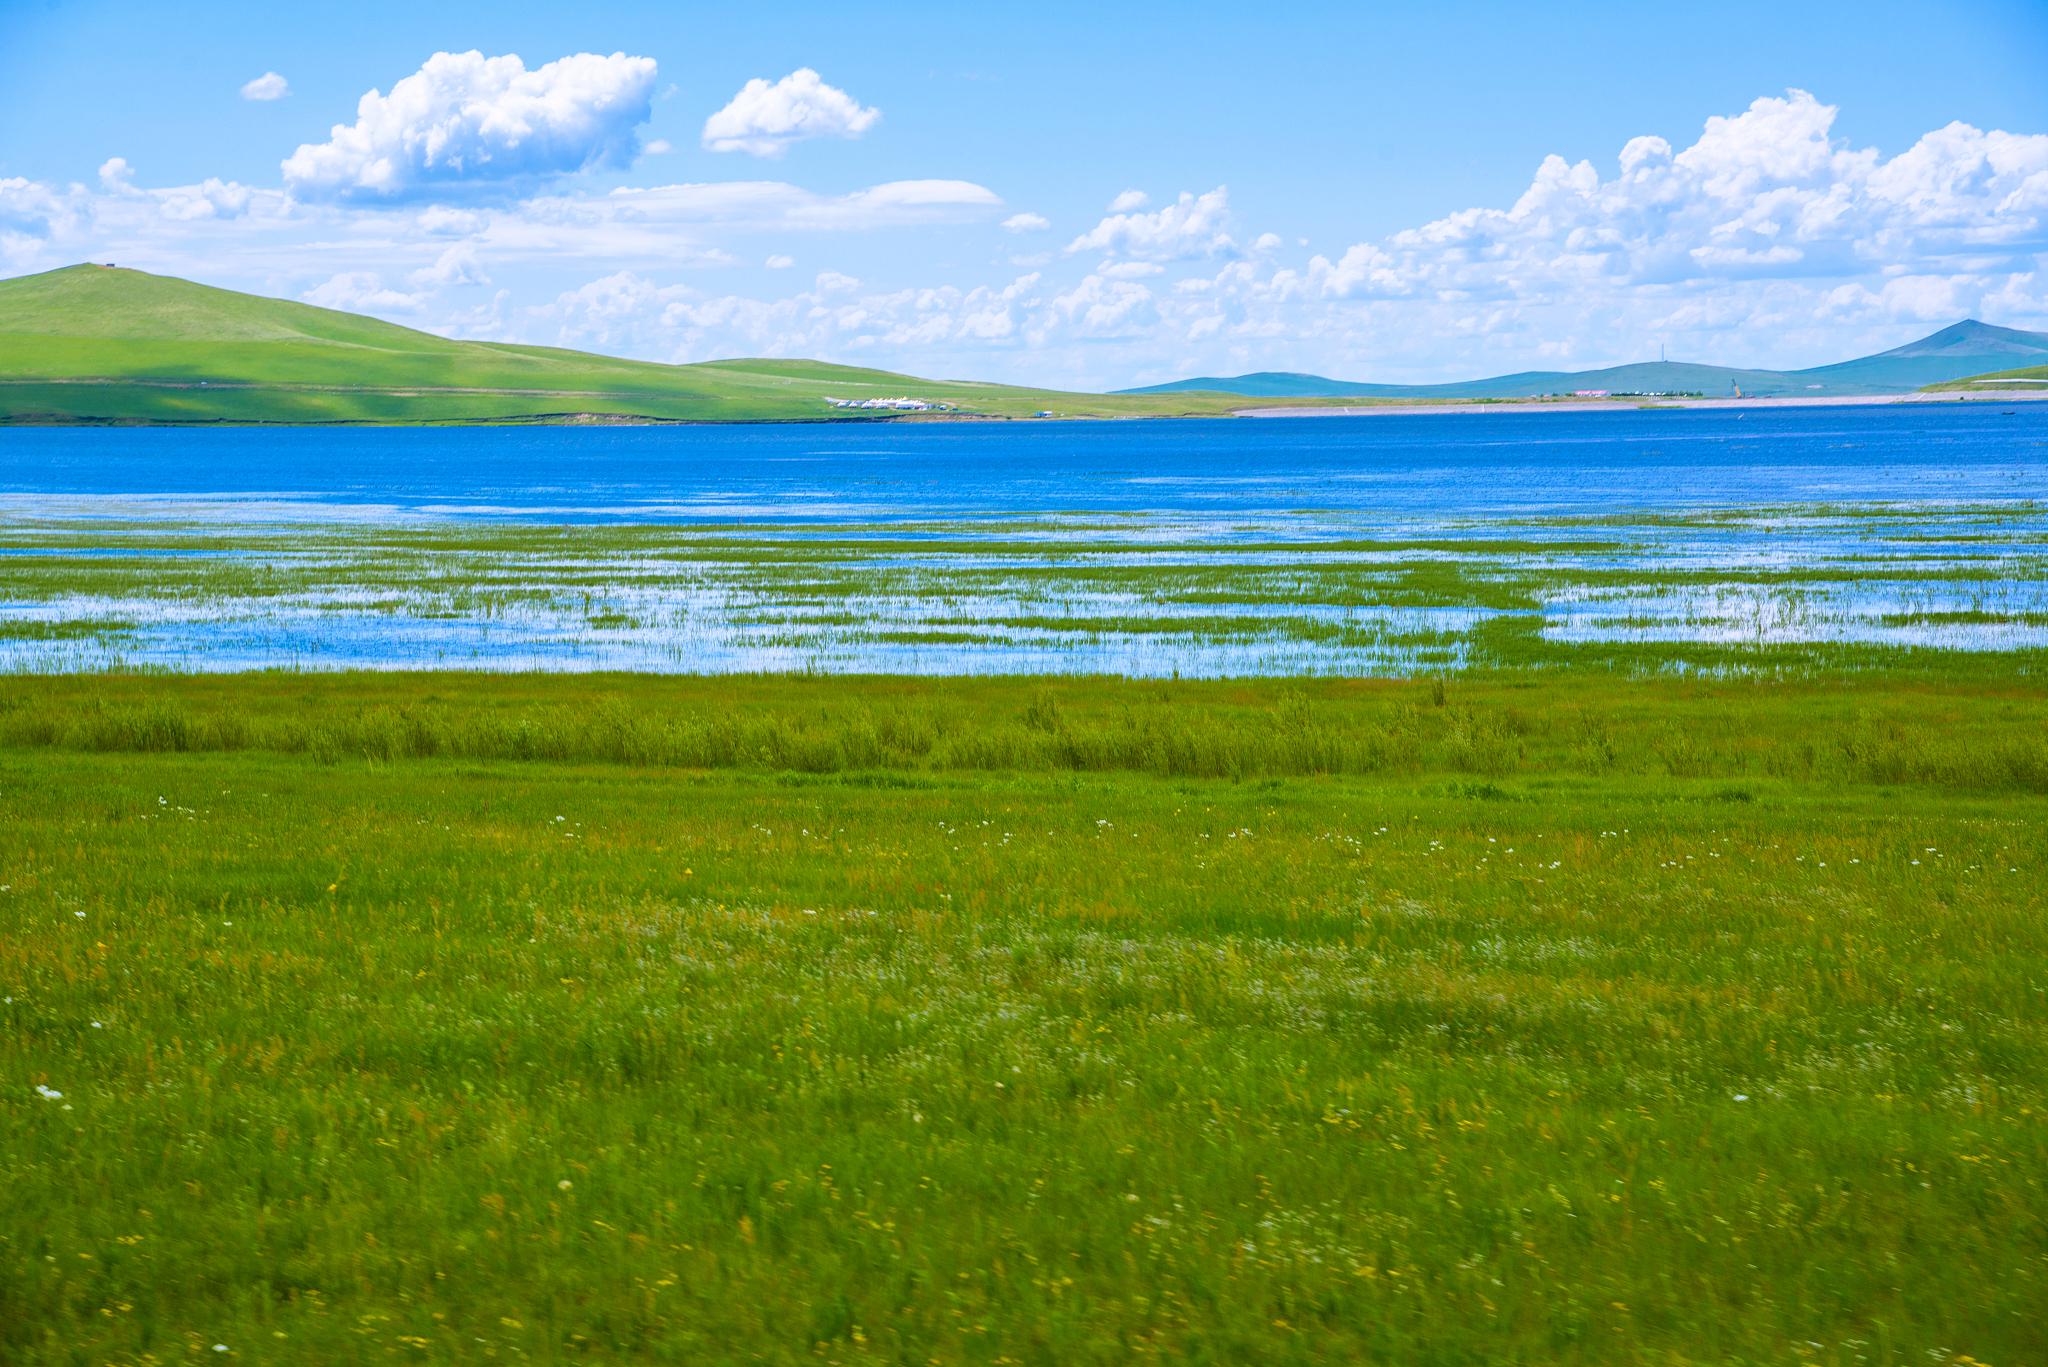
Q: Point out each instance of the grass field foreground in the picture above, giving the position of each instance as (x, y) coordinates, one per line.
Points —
(1480, 1021)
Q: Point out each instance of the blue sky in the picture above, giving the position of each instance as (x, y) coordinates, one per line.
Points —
(1368, 190)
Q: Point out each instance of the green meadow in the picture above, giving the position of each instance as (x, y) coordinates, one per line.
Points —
(1531, 1016)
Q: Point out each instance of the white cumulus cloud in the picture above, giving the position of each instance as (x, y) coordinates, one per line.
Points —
(362, 292)
(764, 119)
(1189, 228)
(1129, 200)
(438, 220)
(456, 266)
(1026, 223)
(366, 292)
(1766, 195)
(268, 86)
(31, 214)
(1101, 307)
(211, 198)
(466, 121)
(118, 176)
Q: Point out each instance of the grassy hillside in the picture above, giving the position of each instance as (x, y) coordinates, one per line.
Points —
(2031, 379)
(100, 344)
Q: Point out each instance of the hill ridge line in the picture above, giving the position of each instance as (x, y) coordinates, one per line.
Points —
(89, 344)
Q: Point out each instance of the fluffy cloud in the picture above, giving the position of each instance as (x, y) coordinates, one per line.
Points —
(268, 86)
(365, 291)
(437, 220)
(1764, 195)
(31, 214)
(765, 119)
(458, 265)
(1026, 223)
(1100, 307)
(464, 121)
(210, 198)
(1190, 228)
(362, 292)
(118, 176)
(1129, 200)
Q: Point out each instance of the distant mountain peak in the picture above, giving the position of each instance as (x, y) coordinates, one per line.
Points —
(1973, 338)
(1958, 350)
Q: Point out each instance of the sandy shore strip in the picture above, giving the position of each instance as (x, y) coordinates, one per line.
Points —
(1626, 406)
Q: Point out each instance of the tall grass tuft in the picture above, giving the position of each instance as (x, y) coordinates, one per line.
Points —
(1206, 730)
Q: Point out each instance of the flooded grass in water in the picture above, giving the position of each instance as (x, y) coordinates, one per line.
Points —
(1073, 594)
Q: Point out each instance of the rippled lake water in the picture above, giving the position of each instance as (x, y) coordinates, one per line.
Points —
(1374, 544)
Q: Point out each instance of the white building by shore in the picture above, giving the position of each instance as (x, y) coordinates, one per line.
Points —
(902, 405)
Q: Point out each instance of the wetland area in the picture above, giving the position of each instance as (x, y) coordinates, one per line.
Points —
(1658, 539)
(1531, 888)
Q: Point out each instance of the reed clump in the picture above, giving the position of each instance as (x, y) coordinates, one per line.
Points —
(1288, 739)
(1869, 735)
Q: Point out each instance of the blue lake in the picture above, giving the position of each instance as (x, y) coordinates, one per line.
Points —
(1486, 464)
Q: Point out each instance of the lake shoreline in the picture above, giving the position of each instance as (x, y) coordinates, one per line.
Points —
(1297, 410)
(1614, 405)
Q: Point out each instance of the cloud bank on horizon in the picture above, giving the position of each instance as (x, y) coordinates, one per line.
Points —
(461, 199)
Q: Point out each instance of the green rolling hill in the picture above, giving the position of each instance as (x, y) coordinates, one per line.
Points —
(96, 344)
(1962, 350)
(100, 344)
